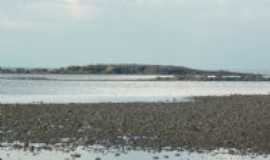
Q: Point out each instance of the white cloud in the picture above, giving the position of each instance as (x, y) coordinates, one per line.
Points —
(23, 14)
(75, 8)
(27, 14)
(11, 24)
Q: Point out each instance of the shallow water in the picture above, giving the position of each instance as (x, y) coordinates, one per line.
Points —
(11, 154)
(101, 88)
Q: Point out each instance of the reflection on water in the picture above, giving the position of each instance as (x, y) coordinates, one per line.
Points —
(91, 89)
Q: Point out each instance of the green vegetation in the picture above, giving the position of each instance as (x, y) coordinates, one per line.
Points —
(181, 73)
(116, 69)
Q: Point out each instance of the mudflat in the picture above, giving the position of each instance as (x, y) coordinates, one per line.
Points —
(206, 123)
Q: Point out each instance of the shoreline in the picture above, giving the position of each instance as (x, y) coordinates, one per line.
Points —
(207, 123)
(240, 77)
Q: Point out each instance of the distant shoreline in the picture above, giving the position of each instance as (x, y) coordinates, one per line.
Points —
(178, 72)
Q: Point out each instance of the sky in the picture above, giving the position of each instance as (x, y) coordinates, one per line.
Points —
(208, 34)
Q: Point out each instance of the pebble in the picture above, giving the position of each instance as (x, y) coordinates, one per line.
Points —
(75, 155)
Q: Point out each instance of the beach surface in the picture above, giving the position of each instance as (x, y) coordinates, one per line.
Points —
(206, 123)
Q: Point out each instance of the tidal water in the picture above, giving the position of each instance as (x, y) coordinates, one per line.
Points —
(125, 88)
(82, 154)
(110, 88)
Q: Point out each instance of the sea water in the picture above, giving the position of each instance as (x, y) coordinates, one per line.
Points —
(27, 88)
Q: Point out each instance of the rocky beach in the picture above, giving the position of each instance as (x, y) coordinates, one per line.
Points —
(205, 123)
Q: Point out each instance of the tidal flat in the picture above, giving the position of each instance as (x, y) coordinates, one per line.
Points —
(206, 123)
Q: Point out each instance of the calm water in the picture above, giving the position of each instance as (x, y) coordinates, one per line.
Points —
(104, 88)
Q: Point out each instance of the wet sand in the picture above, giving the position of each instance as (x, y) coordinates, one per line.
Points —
(207, 123)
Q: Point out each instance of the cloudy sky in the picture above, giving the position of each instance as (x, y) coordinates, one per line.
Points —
(209, 34)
